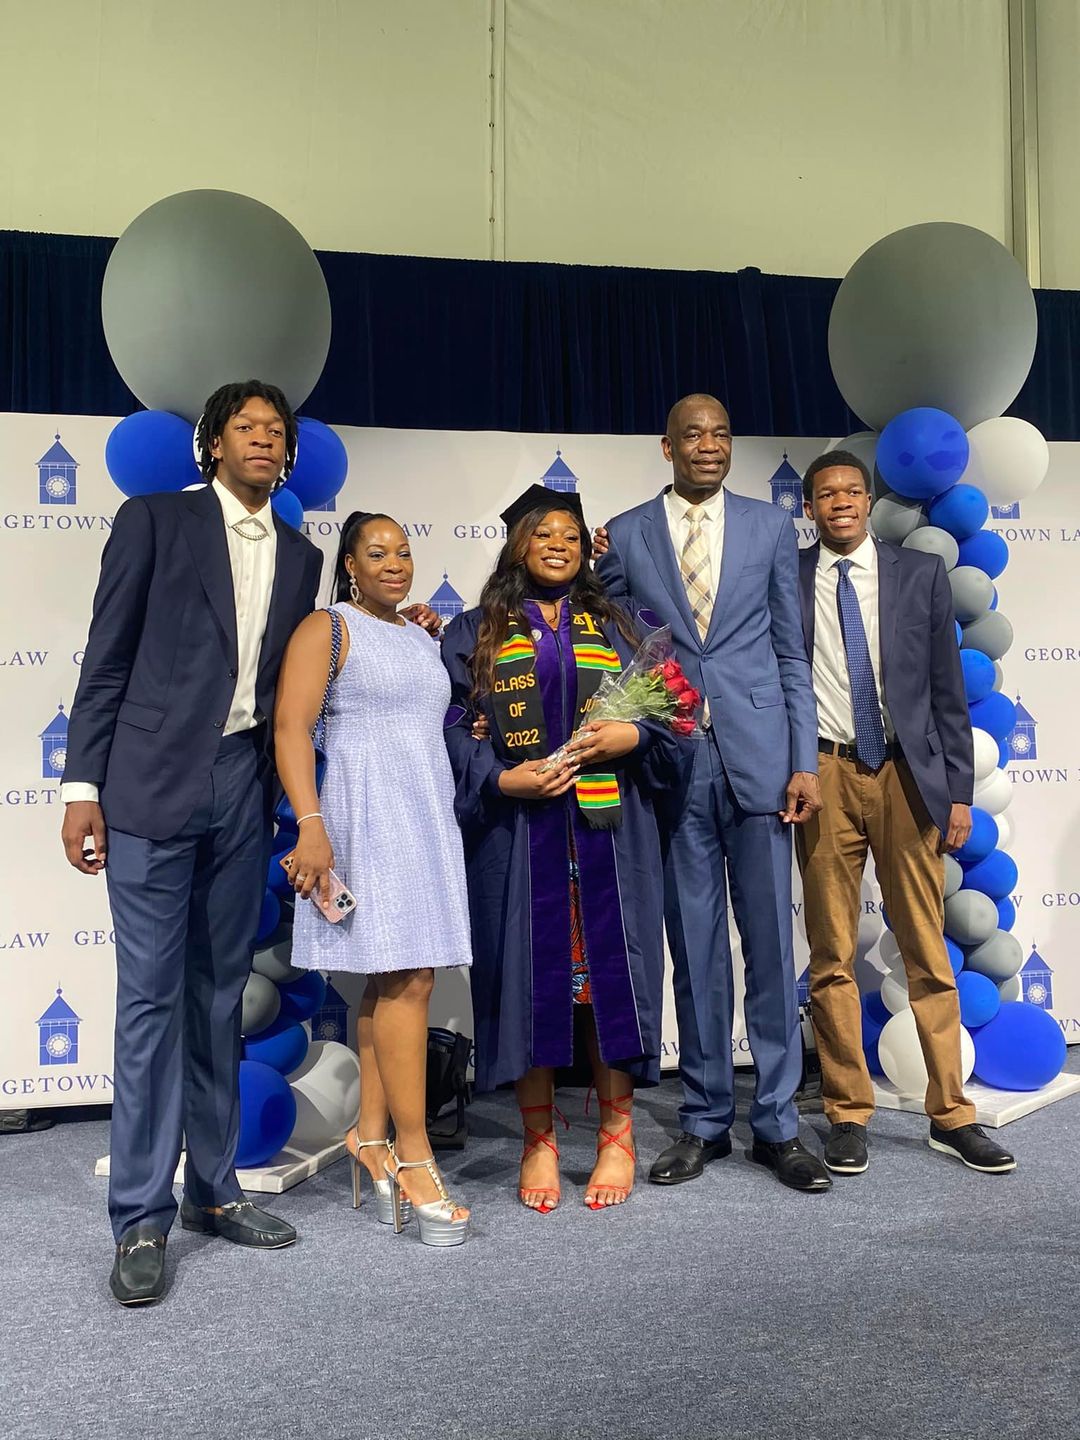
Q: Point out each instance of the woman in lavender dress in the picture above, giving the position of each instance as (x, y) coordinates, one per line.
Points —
(387, 797)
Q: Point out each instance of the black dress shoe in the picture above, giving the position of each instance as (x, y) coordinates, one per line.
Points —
(241, 1222)
(138, 1273)
(687, 1158)
(845, 1149)
(969, 1144)
(793, 1164)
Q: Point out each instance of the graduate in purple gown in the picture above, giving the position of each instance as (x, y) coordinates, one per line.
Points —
(564, 865)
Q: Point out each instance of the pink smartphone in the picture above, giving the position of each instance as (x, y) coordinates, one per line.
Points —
(340, 902)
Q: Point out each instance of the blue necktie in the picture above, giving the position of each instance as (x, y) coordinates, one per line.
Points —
(869, 731)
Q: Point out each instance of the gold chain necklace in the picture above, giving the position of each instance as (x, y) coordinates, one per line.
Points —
(394, 619)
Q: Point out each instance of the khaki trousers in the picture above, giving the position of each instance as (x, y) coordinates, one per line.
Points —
(881, 812)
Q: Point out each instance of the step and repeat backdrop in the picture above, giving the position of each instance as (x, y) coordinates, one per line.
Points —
(447, 488)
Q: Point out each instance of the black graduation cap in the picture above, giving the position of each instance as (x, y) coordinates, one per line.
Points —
(537, 495)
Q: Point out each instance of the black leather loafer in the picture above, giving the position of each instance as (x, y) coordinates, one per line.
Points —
(241, 1222)
(687, 1158)
(845, 1149)
(975, 1148)
(138, 1273)
(792, 1164)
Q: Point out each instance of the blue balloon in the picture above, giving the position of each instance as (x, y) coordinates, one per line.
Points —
(986, 551)
(995, 876)
(876, 1009)
(281, 1045)
(1006, 914)
(871, 1034)
(267, 1114)
(322, 463)
(996, 714)
(959, 632)
(301, 998)
(922, 452)
(962, 511)
(1004, 754)
(983, 838)
(1021, 1048)
(979, 999)
(979, 675)
(150, 451)
(288, 507)
(269, 915)
(955, 954)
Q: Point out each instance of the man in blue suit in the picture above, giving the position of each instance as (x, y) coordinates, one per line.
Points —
(896, 781)
(169, 773)
(722, 570)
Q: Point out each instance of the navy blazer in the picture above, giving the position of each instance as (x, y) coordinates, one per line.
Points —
(921, 671)
(752, 664)
(159, 671)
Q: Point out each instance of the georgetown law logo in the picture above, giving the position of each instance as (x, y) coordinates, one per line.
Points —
(330, 1021)
(57, 495)
(1022, 740)
(58, 1033)
(54, 746)
(1006, 512)
(1036, 985)
(56, 476)
(786, 487)
(446, 602)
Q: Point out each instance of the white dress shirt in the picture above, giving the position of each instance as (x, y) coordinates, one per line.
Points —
(253, 563)
(832, 687)
(712, 525)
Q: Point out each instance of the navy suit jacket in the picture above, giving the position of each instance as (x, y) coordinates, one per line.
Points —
(159, 671)
(752, 664)
(921, 671)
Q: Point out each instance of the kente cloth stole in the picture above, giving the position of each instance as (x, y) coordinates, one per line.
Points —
(519, 710)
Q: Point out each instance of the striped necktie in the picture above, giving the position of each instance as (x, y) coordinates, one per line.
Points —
(697, 572)
(865, 705)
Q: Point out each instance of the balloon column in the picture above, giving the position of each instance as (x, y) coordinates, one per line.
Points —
(239, 294)
(931, 336)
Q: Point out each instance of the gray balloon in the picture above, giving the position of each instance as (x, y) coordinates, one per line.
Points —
(932, 540)
(991, 633)
(937, 314)
(1010, 989)
(261, 1003)
(999, 673)
(954, 876)
(999, 957)
(972, 592)
(893, 518)
(274, 961)
(206, 287)
(970, 917)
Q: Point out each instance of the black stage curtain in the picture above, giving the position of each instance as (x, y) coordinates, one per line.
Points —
(484, 345)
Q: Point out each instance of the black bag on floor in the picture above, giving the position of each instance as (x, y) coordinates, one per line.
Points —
(447, 1086)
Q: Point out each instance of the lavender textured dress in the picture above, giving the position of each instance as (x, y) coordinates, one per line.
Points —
(388, 805)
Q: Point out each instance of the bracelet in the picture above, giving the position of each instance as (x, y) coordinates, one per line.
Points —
(315, 815)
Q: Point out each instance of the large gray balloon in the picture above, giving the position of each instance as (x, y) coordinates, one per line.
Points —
(932, 540)
(1010, 989)
(970, 917)
(275, 963)
(894, 518)
(207, 287)
(1000, 957)
(999, 673)
(954, 876)
(937, 314)
(972, 592)
(991, 633)
(261, 1002)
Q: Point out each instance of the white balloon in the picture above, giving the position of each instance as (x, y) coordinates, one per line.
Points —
(894, 992)
(870, 927)
(1008, 459)
(889, 951)
(987, 754)
(1010, 989)
(954, 876)
(902, 1060)
(1006, 830)
(932, 540)
(995, 793)
(327, 1090)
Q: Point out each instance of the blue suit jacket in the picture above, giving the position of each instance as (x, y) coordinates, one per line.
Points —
(160, 666)
(921, 671)
(752, 664)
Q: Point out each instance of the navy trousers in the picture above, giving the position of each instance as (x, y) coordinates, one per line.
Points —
(714, 836)
(185, 912)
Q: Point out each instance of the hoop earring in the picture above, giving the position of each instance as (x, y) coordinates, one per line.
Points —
(354, 591)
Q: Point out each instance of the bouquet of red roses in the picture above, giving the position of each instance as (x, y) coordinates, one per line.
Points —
(652, 687)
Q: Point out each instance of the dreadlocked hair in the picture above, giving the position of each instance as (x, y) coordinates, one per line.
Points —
(507, 588)
(227, 401)
(350, 535)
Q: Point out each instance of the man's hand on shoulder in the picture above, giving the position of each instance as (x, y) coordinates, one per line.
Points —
(83, 821)
(601, 542)
(803, 798)
(959, 829)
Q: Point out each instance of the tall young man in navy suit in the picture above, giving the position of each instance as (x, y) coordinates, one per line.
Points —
(167, 788)
(896, 772)
(722, 570)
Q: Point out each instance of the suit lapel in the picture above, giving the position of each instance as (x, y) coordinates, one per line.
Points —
(658, 540)
(808, 565)
(205, 529)
(888, 598)
(288, 576)
(732, 558)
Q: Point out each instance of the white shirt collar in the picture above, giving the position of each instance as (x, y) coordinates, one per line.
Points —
(712, 509)
(234, 510)
(864, 556)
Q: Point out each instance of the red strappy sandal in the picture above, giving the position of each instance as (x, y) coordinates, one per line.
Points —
(605, 1137)
(534, 1138)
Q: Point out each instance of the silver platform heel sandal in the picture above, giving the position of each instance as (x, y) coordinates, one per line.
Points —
(435, 1219)
(384, 1203)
